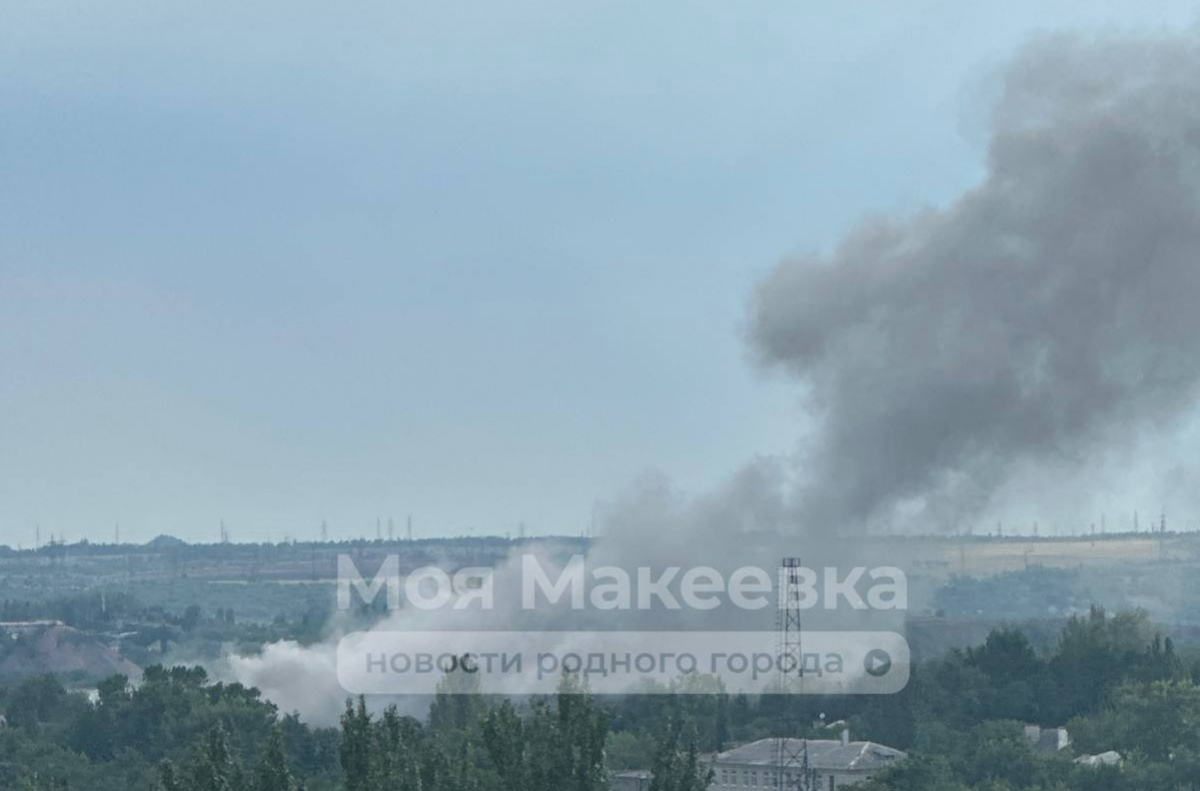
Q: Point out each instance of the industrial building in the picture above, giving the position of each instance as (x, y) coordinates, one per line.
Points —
(832, 764)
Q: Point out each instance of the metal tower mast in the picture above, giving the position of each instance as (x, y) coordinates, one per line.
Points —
(791, 755)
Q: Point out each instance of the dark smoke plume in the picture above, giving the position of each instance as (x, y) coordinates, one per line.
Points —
(1046, 317)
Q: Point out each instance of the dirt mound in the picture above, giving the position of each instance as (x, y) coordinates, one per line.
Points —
(65, 652)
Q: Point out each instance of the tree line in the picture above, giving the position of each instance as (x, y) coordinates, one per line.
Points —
(1112, 680)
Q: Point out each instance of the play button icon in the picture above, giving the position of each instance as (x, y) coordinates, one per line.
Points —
(877, 663)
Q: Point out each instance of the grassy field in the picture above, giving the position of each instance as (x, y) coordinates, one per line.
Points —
(985, 557)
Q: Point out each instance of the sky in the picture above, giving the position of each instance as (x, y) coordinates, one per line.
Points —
(480, 263)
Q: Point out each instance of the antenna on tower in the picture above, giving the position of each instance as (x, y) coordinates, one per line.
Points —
(791, 754)
(521, 531)
(391, 530)
(37, 536)
(410, 538)
(324, 532)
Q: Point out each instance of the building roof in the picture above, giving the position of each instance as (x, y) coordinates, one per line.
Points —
(825, 754)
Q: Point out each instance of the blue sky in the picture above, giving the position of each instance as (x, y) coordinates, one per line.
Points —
(482, 263)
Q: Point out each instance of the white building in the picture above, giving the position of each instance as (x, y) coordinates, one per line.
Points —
(833, 763)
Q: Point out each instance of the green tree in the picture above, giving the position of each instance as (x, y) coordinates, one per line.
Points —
(273, 773)
(918, 773)
(398, 752)
(168, 777)
(213, 767)
(679, 768)
(34, 702)
(553, 748)
(355, 748)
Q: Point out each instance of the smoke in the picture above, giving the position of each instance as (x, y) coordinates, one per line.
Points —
(650, 525)
(295, 678)
(1043, 320)
(1035, 327)
(651, 515)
